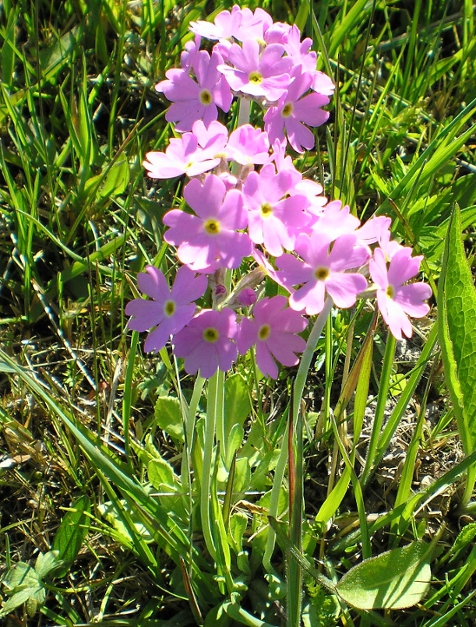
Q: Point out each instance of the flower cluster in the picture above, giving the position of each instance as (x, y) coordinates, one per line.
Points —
(249, 203)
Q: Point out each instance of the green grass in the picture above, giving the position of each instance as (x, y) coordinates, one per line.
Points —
(118, 508)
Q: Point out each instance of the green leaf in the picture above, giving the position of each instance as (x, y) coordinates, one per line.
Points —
(45, 563)
(169, 416)
(457, 331)
(110, 513)
(21, 576)
(72, 532)
(237, 402)
(22, 584)
(394, 580)
(116, 179)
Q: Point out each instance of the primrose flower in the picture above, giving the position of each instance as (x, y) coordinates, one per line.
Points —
(169, 310)
(210, 239)
(323, 271)
(207, 343)
(294, 110)
(260, 74)
(273, 220)
(193, 153)
(196, 100)
(397, 301)
(248, 145)
(273, 330)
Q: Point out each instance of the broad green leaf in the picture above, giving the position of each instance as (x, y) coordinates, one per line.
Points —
(21, 597)
(45, 563)
(457, 332)
(22, 583)
(394, 580)
(116, 179)
(21, 576)
(72, 532)
(109, 511)
(169, 416)
(237, 402)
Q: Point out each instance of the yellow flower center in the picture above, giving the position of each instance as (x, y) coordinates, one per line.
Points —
(212, 226)
(205, 97)
(169, 308)
(321, 274)
(390, 291)
(255, 77)
(264, 332)
(211, 335)
(287, 110)
(266, 210)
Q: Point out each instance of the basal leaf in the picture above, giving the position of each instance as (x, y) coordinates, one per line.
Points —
(169, 416)
(72, 532)
(457, 331)
(45, 563)
(394, 580)
(116, 179)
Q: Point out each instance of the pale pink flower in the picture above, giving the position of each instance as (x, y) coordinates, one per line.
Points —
(207, 343)
(248, 145)
(323, 271)
(258, 73)
(335, 220)
(169, 310)
(274, 220)
(397, 301)
(293, 110)
(273, 329)
(193, 153)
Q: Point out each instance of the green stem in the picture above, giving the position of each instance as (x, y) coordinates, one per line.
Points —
(380, 410)
(244, 111)
(295, 452)
(207, 470)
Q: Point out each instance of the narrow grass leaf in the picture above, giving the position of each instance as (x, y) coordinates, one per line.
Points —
(395, 579)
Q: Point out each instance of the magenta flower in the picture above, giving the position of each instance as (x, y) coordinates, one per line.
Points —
(169, 310)
(323, 271)
(193, 153)
(273, 329)
(294, 110)
(397, 301)
(196, 100)
(207, 343)
(210, 239)
(261, 74)
(273, 220)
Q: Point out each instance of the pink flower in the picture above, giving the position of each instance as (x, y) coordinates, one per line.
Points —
(293, 111)
(169, 310)
(261, 74)
(323, 271)
(193, 153)
(248, 145)
(397, 301)
(225, 25)
(196, 100)
(273, 220)
(210, 239)
(207, 343)
(273, 329)
(335, 220)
